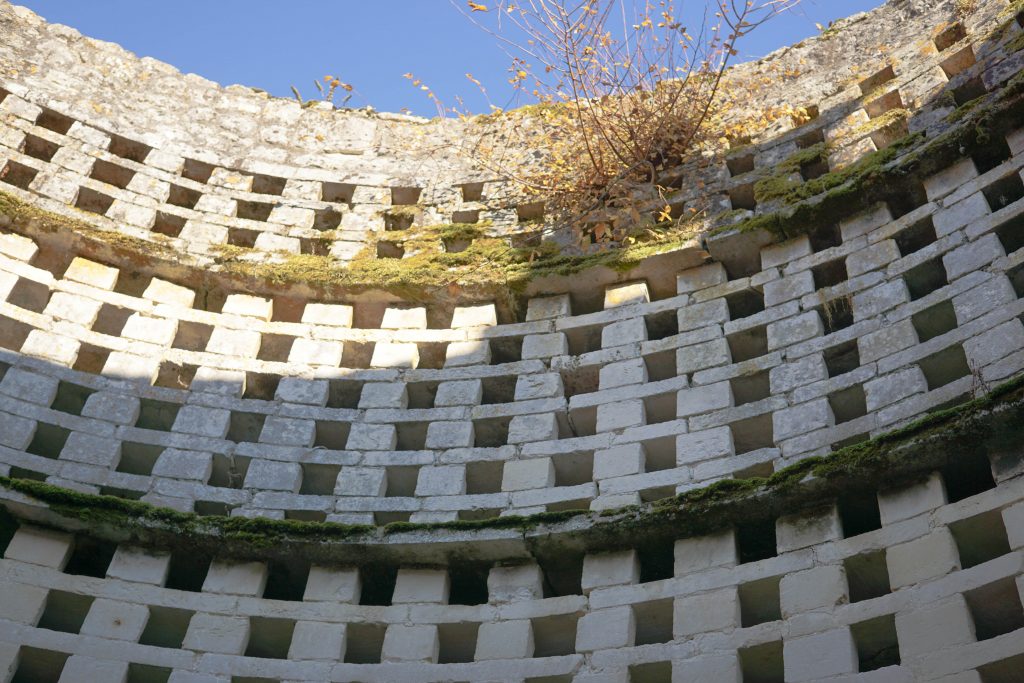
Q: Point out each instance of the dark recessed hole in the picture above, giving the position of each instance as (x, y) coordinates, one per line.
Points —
(934, 321)
(836, 314)
(910, 196)
(17, 174)
(38, 666)
(254, 211)
(530, 212)
(991, 155)
(326, 219)
(748, 344)
(995, 609)
(199, 171)
(867, 576)
(286, 579)
(653, 625)
(969, 91)
(554, 636)
(405, 196)
(925, 278)
(969, 474)
(337, 193)
(261, 385)
(759, 602)
(483, 477)
(183, 197)
(48, 440)
(916, 237)
(378, 585)
(848, 404)
(228, 471)
(166, 627)
(472, 192)
(93, 201)
(743, 197)
(944, 367)
(71, 398)
(245, 427)
(829, 274)
(111, 320)
(111, 174)
(875, 640)
(242, 237)
(859, 513)
(90, 557)
(842, 359)
(54, 121)
(138, 458)
(331, 435)
(265, 184)
(64, 611)
(363, 643)
(825, 237)
(1004, 192)
(744, 303)
(750, 388)
(156, 415)
(187, 571)
(468, 583)
(269, 638)
(39, 148)
(168, 224)
(1011, 234)
(756, 541)
(738, 165)
(980, 538)
(456, 642)
(762, 663)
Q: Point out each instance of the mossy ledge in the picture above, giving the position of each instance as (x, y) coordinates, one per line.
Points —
(992, 422)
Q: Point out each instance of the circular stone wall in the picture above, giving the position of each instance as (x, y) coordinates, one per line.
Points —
(784, 448)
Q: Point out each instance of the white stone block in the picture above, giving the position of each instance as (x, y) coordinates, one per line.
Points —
(515, 583)
(334, 315)
(819, 656)
(872, 257)
(85, 669)
(333, 584)
(610, 569)
(229, 342)
(248, 305)
(622, 373)
(271, 475)
(703, 445)
(702, 356)
(176, 463)
(624, 294)
(527, 428)
(312, 392)
(365, 436)
(697, 315)
(798, 328)
(317, 641)
(716, 611)
(316, 352)
(606, 629)
(631, 331)
(800, 419)
(404, 318)
(91, 273)
(923, 558)
(459, 354)
(512, 639)
(934, 628)
(542, 385)
(361, 481)
(458, 393)
(787, 288)
(780, 254)
(120, 365)
(202, 421)
(703, 399)
(421, 585)
(619, 461)
(139, 566)
(548, 307)
(895, 505)
(410, 644)
(701, 277)
(949, 179)
(816, 589)
(164, 292)
(115, 620)
(40, 546)
(384, 395)
(52, 347)
(236, 578)
(520, 475)
(703, 552)
(394, 355)
(895, 386)
(620, 415)
(482, 315)
(144, 328)
(442, 435)
(972, 256)
(217, 633)
(544, 345)
(441, 480)
(793, 532)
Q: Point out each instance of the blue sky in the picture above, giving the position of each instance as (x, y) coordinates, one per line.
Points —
(369, 43)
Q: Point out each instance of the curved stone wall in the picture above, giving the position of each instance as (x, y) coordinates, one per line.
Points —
(656, 474)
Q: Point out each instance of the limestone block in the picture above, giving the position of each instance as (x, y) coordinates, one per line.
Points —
(229, 342)
(935, 627)
(120, 365)
(1016, 141)
(949, 219)
(701, 277)
(631, 331)
(53, 347)
(115, 620)
(202, 421)
(703, 399)
(619, 461)
(624, 294)
(606, 629)
(40, 546)
(520, 475)
(1013, 519)
(702, 356)
(333, 584)
(872, 257)
(800, 419)
(285, 215)
(384, 395)
(217, 633)
(610, 569)
(865, 221)
(995, 344)
(85, 669)
(923, 558)
(288, 431)
(717, 668)
(788, 288)
(714, 611)
(972, 256)
(483, 315)
(703, 445)
(889, 339)
(139, 566)
(458, 354)
(180, 464)
(312, 392)
(218, 381)
(16, 432)
(29, 386)
(334, 315)
(977, 301)
(545, 308)
(77, 309)
(441, 480)
(457, 393)
(316, 352)
(542, 385)
(783, 333)
(18, 247)
(313, 640)
(248, 305)
(91, 273)
(882, 391)
(775, 255)
(544, 345)
(181, 676)
(91, 449)
(515, 583)
(361, 481)
(421, 585)
(879, 299)
(111, 407)
(365, 436)
(793, 532)
(622, 373)
(620, 415)
(410, 644)
(895, 505)
(164, 292)
(272, 475)
(949, 179)
(144, 328)
(703, 552)
(527, 428)
(395, 355)
(236, 578)
(404, 318)
(22, 603)
(450, 435)
(819, 655)
(512, 639)
(697, 315)
(819, 588)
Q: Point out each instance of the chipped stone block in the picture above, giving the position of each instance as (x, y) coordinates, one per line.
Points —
(775, 255)
(545, 345)
(115, 620)
(793, 532)
(702, 314)
(174, 463)
(872, 257)
(217, 633)
(73, 307)
(701, 277)
(631, 331)
(202, 421)
(111, 407)
(515, 583)
(546, 308)
(236, 578)
(620, 415)
(526, 428)
(288, 431)
(273, 476)
(410, 644)
(783, 333)
(450, 435)
(542, 385)
(889, 339)
(949, 219)
(458, 354)
(458, 393)
(819, 588)
(797, 373)
(333, 584)
(625, 294)
(788, 288)
(702, 552)
(372, 437)
(312, 392)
